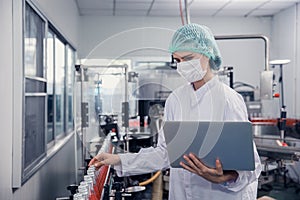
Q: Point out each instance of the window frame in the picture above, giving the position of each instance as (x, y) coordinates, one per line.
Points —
(52, 142)
(33, 166)
(63, 133)
(72, 74)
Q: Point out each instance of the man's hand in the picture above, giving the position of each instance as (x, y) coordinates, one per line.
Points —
(214, 175)
(105, 159)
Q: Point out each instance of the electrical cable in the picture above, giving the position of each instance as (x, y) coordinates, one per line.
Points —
(150, 180)
(181, 14)
(241, 84)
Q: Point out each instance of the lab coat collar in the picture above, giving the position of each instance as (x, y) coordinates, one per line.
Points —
(202, 90)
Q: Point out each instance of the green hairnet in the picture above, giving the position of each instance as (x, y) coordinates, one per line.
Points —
(199, 39)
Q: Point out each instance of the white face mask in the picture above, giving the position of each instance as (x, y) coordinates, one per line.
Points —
(191, 70)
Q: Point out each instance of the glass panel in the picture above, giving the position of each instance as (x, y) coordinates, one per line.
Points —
(59, 85)
(34, 128)
(32, 86)
(71, 63)
(50, 92)
(33, 44)
(34, 106)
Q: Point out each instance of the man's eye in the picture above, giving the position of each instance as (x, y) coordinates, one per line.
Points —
(188, 58)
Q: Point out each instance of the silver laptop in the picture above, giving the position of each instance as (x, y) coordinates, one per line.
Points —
(231, 142)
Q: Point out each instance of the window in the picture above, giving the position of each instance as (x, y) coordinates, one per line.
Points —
(50, 86)
(34, 130)
(70, 77)
(35, 90)
(60, 68)
(48, 76)
(59, 87)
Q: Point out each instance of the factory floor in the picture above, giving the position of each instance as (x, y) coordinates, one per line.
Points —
(279, 191)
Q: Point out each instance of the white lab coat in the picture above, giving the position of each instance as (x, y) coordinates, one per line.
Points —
(212, 102)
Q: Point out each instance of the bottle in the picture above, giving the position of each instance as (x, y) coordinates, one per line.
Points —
(83, 190)
(88, 179)
(77, 196)
(82, 187)
(91, 173)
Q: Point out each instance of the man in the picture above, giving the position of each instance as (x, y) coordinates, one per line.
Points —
(203, 98)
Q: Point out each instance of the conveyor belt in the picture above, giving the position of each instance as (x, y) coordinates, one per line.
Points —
(278, 152)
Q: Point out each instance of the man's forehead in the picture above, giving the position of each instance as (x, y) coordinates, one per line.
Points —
(184, 53)
(181, 54)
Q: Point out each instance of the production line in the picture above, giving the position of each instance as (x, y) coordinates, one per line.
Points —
(277, 140)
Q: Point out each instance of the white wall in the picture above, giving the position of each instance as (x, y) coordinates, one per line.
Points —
(52, 179)
(285, 39)
(6, 107)
(116, 37)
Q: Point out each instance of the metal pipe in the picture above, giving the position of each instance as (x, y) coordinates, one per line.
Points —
(82, 129)
(126, 83)
(265, 38)
(126, 108)
(281, 84)
(187, 11)
(102, 66)
(75, 127)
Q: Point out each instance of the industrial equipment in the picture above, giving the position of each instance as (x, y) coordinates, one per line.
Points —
(128, 118)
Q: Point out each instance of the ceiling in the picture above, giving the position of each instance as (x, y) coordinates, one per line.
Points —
(237, 8)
